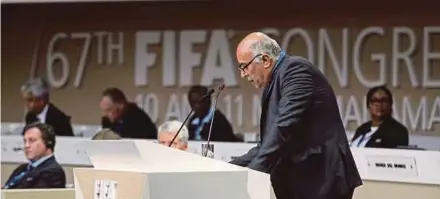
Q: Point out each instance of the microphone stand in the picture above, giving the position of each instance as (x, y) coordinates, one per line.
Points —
(183, 124)
(212, 120)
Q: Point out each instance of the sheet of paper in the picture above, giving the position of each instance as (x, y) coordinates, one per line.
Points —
(112, 190)
(97, 189)
(105, 189)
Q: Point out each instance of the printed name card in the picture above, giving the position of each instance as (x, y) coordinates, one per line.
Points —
(105, 189)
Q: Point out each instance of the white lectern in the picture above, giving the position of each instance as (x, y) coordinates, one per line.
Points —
(137, 169)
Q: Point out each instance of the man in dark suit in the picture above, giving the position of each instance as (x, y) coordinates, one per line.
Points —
(199, 123)
(125, 118)
(36, 94)
(383, 131)
(42, 171)
(303, 144)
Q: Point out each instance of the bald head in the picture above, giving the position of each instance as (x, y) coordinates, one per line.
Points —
(251, 39)
(258, 43)
(257, 54)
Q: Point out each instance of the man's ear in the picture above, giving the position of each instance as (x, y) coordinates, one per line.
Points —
(267, 61)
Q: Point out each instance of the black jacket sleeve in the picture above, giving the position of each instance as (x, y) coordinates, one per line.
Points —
(245, 159)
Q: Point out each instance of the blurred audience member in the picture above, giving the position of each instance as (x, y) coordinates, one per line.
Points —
(199, 123)
(106, 134)
(168, 130)
(36, 95)
(42, 171)
(125, 118)
(383, 131)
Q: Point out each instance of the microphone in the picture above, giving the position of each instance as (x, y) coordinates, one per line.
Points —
(220, 88)
(210, 92)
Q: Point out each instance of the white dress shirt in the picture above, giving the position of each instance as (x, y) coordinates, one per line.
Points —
(42, 115)
(362, 140)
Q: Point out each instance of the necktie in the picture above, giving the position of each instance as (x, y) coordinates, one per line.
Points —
(362, 139)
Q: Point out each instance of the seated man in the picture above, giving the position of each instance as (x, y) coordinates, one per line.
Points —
(200, 121)
(168, 130)
(37, 97)
(42, 171)
(125, 118)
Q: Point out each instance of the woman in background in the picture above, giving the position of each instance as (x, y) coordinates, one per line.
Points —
(383, 131)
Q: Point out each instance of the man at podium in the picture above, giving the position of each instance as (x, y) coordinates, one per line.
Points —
(303, 144)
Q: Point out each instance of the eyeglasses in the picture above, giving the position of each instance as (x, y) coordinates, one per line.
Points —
(243, 66)
(380, 100)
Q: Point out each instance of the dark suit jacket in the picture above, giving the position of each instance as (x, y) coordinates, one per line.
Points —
(49, 174)
(390, 134)
(303, 142)
(135, 123)
(221, 129)
(56, 118)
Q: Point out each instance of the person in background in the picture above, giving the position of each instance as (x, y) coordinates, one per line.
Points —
(168, 130)
(42, 171)
(125, 118)
(36, 95)
(200, 121)
(382, 131)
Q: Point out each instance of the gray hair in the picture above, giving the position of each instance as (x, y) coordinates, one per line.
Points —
(267, 46)
(106, 134)
(37, 87)
(172, 127)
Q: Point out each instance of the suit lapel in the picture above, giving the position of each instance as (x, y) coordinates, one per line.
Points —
(267, 92)
(33, 172)
(362, 131)
(265, 97)
(376, 138)
(31, 117)
(264, 107)
(25, 179)
(49, 114)
(29, 177)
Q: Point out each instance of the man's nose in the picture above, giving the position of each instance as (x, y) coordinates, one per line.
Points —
(243, 74)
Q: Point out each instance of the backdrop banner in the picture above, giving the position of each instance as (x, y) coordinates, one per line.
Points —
(156, 66)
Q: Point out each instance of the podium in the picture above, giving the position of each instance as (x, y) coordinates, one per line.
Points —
(138, 169)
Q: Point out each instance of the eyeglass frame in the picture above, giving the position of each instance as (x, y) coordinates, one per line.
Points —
(243, 66)
(381, 100)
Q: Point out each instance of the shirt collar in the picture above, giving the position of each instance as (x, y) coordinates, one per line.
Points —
(43, 113)
(279, 60)
(41, 160)
(206, 119)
